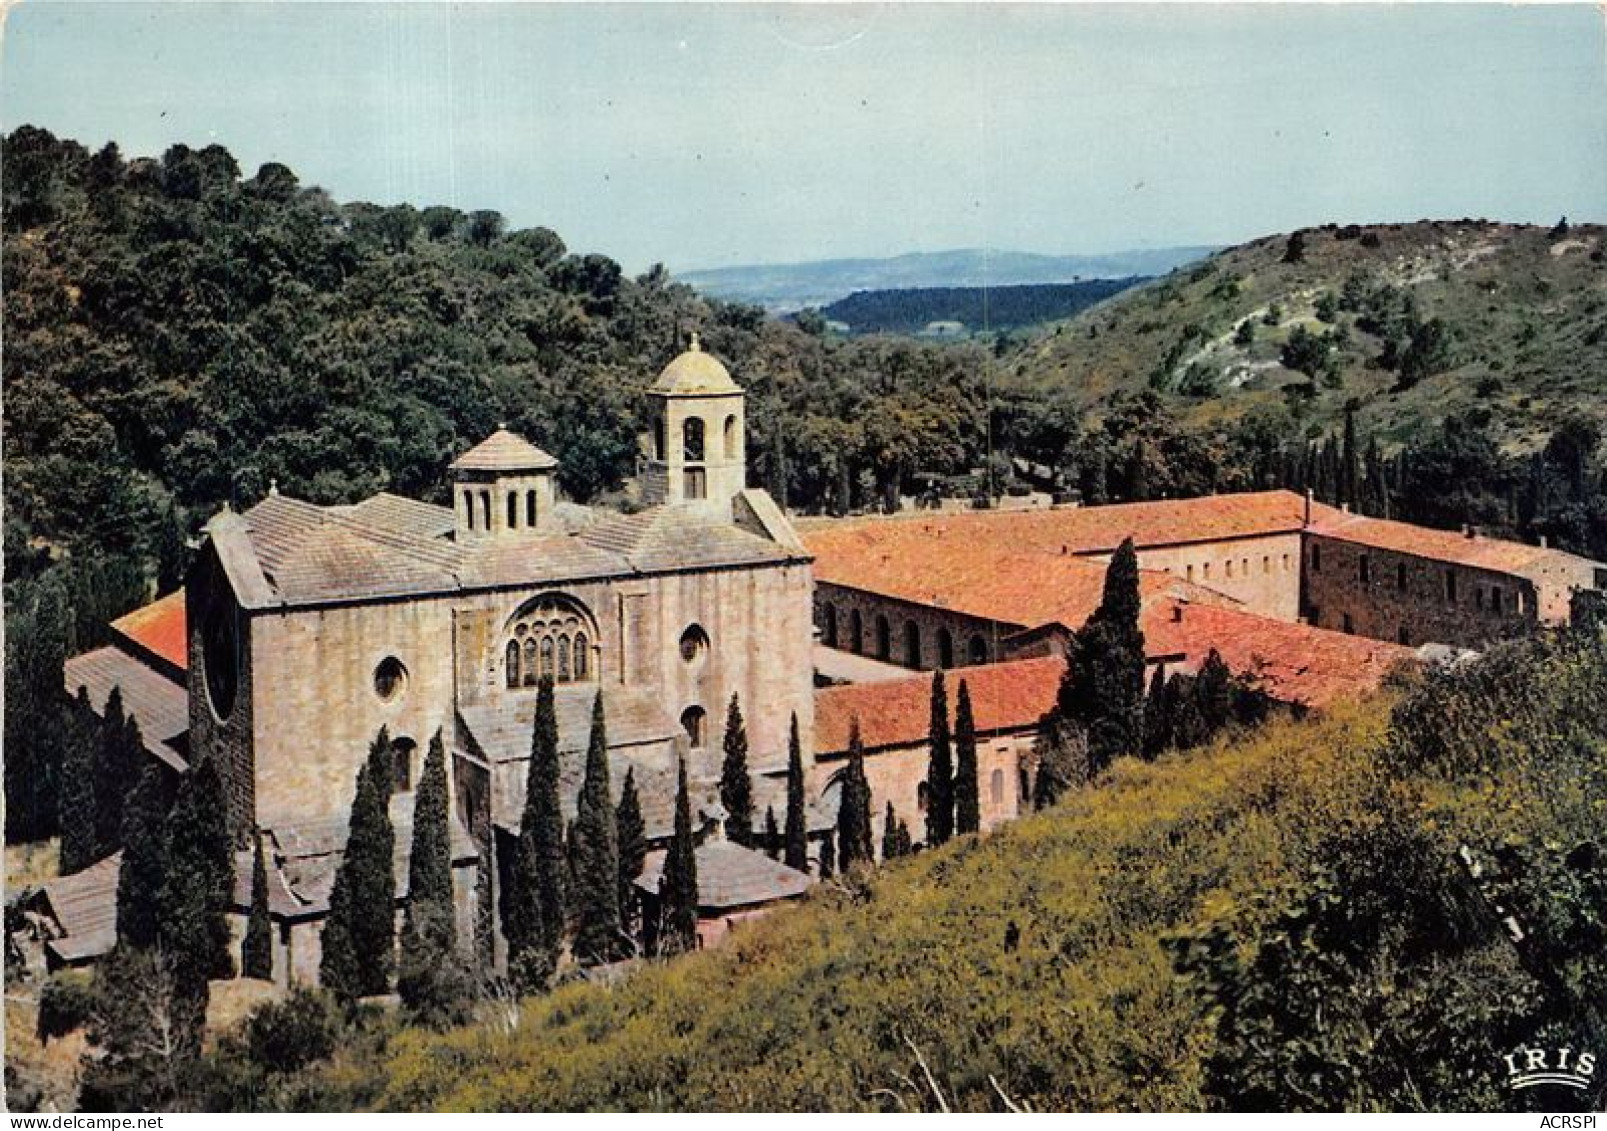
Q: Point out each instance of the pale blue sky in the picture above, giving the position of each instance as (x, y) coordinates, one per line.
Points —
(701, 136)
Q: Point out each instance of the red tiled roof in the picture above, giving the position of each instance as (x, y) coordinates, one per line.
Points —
(1004, 696)
(1077, 530)
(158, 628)
(978, 578)
(1295, 663)
(1441, 545)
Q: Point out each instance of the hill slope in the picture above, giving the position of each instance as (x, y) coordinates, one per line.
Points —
(1307, 877)
(1526, 312)
(977, 308)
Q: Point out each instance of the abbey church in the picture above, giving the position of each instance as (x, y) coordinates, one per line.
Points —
(303, 630)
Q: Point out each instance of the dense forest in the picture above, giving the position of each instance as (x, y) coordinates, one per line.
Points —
(980, 309)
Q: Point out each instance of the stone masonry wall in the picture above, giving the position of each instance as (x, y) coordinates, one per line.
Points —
(973, 639)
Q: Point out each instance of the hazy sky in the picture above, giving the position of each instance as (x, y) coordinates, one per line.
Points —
(707, 135)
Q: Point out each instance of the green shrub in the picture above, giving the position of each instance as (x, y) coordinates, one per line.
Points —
(286, 1036)
(66, 1003)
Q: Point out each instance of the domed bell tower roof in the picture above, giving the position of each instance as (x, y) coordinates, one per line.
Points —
(695, 372)
(504, 451)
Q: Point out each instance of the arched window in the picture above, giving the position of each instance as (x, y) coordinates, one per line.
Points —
(912, 644)
(692, 722)
(511, 663)
(856, 632)
(530, 508)
(1190, 571)
(1230, 568)
(694, 645)
(979, 650)
(731, 436)
(402, 750)
(658, 438)
(996, 787)
(830, 626)
(551, 635)
(692, 439)
(513, 510)
(468, 507)
(485, 509)
(884, 639)
(945, 648)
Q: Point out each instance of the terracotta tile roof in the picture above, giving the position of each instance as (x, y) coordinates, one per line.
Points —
(1440, 545)
(160, 705)
(730, 876)
(159, 629)
(1295, 662)
(84, 905)
(985, 578)
(1078, 530)
(1007, 696)
(504, 451)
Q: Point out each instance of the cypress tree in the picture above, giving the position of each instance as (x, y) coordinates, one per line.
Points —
(1157, 722)
(256, 952)
(796, 854)
(337, 962)
(429, 865)
(367, 872)
(828, 856)
(1350, 465)
(144, 870)
(772, 833)
(38, 722)
(77, 817)
(967, 800)
(543, 823)
(1103, 688)
(895, 836)
(630, 833)
(854, 845)
(1183, 705)
(596, 853)
(677, 888)
(736, 787)
(197, 892)
(940, 768)
(1213, 691)
(113, 769)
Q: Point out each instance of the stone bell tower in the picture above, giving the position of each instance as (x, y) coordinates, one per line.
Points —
(699, 446)
(503, 485)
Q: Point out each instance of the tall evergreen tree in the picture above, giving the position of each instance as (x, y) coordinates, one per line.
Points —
(1213, 692)
(895, 836)
(256, 951)
(940, 768)
(1103, 688)
(197, 893)
(828, 855)
(37, 727)
(429, 865)
(1350, 465)
(736, 787)
(337, 961)
(1157, 721)
(118, 758)
(854, 843)
(796, 852)
(772, 833)
(79, 844)
(1183, 705)
(596, 853)
(144, 870)
(630, 832)
(967, 798)
(540, 912)
(367, 873)
(677, 892)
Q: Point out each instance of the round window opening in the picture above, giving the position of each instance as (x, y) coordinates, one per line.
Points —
(694, 645)
(220, 648)
(390, 679)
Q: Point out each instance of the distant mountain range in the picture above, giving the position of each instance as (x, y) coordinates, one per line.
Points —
(784, 287)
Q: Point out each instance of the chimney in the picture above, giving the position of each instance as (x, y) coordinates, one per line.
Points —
(1309, 493)
(1542, 541)
(1344, 507)
(1472, 531)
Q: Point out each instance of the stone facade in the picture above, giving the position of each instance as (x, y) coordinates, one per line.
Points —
(919, 637)
(1263, 573)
